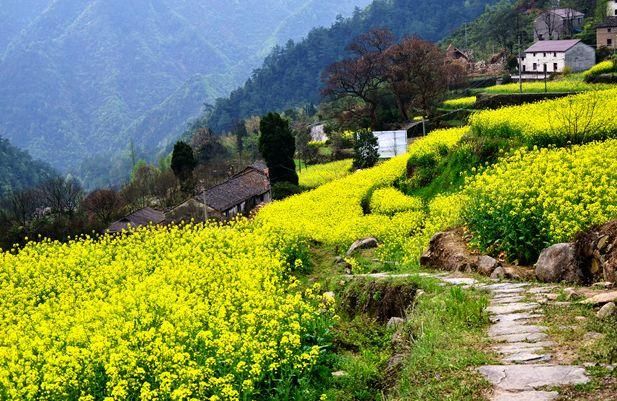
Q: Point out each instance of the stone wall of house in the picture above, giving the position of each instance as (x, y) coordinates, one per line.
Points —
(607, 37)
(581, 57)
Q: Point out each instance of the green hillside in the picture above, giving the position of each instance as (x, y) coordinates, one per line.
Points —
(18, 170)
(290, 75)
(81, 78)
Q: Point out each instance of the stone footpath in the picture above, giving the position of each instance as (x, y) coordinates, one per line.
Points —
(525, 372)
(524, 347)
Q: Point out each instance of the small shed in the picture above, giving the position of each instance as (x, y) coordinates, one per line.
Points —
(140, 218)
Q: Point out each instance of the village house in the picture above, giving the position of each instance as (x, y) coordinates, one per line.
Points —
(137, 219)
(606, 33)
(553, 56)
(612, 8)
(239, 195)
(558, 23)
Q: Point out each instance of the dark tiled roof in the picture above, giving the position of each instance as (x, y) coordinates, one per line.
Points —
(260, 165)
(139, 218)
(249, 183)
(610, 22)
(552, 46)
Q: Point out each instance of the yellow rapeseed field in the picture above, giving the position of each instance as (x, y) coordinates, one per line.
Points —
(574, 119)
(537, 198)
(179, 313)
(320, 174)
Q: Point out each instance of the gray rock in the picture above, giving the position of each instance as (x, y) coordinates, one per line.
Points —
(487, 265)
(460, 281)
(395, 322)
(532, 377)
(339, 373)
(525, 396)
(515, 348)
(592, 336)
(607, 310)
(602, 299)
(507, 300)
(527, 357)
(367, 243)
(571, 294)
(499, 273)
(558, 263)
(339, 260)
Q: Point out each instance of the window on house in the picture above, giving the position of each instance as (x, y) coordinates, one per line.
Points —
(524, 68)
(610, 30)
(555, 54)
(535, 66)
(609, 42)
(544, 55)
(555, 67)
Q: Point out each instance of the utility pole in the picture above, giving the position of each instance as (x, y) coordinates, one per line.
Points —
(519, 55)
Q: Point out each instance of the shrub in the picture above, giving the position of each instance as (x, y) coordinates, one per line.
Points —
(605, 67)
(537, 198)
(366, 149)
(282, 190)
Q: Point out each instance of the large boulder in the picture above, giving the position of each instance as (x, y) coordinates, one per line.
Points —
(487, 265)
(448, 251)
(366, 243)
(558, 263)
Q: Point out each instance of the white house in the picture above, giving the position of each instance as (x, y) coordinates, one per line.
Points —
(612, 8)
(552, 56)
(558, 23)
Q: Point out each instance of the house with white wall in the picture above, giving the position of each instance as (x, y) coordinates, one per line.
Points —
(612, 8)
(553, 56)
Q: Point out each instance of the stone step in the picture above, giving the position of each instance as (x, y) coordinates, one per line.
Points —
(513, 308)
(525, 396)
(527, 358)
(523, 337)
(531, 377)
(515, 348)
(514, 327)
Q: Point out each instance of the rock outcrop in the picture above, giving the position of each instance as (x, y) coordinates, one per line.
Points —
(448, 251)
(558, 263)
(366, 243)
(596, 251)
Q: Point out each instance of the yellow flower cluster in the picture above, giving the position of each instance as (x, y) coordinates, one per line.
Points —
(566, 85)
(320, 174)
(574, 119)
(605, 67)
(178, 313)
(460, 103)
(537, 198)
(437, 143)
(390, 201)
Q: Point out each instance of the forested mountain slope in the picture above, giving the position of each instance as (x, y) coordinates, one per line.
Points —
(18, 170)
(290, 75)
(81, 78)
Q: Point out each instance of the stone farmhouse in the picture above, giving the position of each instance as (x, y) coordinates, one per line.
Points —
(557, 24)
(140, 218)
(553, 56)
(606, 33)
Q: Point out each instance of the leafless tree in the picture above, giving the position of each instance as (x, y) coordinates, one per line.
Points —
(20, 207)
(575, 119)
(418, 74)
(62, 195)
(361, 77)
(103, 205)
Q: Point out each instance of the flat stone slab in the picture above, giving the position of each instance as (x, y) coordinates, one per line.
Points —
(515, 348)
(532, 377)
(541, 290)
(512, 308)
(527, 357)
(514, 327)
(510, 317)
(508, 291)
(507, 300)
(523, 337)
(525, 396)
(602, 299)
(459, 281)
(500, 286)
